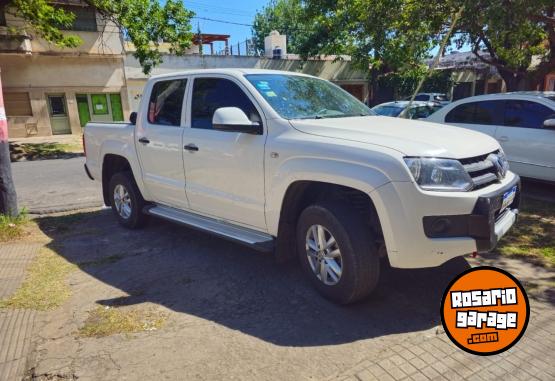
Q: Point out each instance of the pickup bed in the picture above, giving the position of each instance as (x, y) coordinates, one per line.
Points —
(294, 165)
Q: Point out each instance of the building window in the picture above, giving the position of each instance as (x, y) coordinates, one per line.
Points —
(17, 104)
(99, 104)
(85, 18)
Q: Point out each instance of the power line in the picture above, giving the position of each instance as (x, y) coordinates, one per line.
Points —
(223, 10)
(222, 21)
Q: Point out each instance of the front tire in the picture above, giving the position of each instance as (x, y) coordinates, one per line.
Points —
(337, 251)
(127, 201)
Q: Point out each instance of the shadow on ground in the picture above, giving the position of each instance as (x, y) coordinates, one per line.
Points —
(194, 273)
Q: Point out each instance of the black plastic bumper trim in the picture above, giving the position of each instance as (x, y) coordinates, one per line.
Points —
(480, 224)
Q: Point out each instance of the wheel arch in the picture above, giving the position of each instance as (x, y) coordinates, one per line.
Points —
(303, 193)
(112, 164)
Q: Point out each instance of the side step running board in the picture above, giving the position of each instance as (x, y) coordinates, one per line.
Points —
(257, 240)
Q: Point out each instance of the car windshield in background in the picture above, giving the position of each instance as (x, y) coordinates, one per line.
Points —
(387, 110)
(299, 97)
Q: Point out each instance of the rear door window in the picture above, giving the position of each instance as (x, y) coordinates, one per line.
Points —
(166, 102)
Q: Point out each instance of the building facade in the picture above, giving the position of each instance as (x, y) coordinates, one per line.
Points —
(338, 70)
(49, 90)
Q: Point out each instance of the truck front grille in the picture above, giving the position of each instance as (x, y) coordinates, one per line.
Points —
(482, 170)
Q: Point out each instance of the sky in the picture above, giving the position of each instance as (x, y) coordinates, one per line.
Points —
(233, 11)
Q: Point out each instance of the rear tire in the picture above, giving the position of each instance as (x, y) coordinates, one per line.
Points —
(344, 265)
(127, 201)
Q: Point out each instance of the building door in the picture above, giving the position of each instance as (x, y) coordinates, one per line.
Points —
(57, 109)
(115, 105)
(83, 108)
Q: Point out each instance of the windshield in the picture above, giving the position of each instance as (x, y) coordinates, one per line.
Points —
(299, 97)
(387, 110)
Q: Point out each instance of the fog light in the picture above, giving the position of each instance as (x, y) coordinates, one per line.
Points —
(441, 225)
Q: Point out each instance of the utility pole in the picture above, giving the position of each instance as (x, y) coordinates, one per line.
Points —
(8, 198)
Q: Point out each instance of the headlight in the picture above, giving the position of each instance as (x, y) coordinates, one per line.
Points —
(439, 174)
(503, 162)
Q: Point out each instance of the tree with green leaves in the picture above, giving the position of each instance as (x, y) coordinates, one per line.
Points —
(145, 23)
(515, 36)
(285, 16)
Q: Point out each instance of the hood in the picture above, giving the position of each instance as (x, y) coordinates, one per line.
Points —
(410, 137)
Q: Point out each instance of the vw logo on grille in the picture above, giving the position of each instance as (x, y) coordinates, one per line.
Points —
(497, 162)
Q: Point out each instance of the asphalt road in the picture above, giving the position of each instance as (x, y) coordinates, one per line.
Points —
(47, 186)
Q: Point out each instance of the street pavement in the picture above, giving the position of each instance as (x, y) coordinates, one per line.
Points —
(16, 325)
(233, 313)
(46, 186)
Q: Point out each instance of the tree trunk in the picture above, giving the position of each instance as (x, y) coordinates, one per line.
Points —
(513, 82)
(8, 198)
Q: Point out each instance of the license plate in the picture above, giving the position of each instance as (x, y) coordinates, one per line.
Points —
(508, 198)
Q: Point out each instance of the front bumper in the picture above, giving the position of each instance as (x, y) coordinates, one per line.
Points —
(469, 221)
(486, 224)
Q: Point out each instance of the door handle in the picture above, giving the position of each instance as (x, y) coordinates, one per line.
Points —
(191, 147)
(144, 140)
(503, 138)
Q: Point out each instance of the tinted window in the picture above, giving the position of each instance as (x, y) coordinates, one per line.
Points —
(526, 114)
(209, 94)
(422, 97)
(166, 102)
(461, 114)
(486, 112)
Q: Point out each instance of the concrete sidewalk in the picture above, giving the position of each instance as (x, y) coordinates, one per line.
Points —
(16, 326)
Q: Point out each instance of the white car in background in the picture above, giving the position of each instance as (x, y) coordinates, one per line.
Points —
(523, 122)
(439, 98)
(417, 110)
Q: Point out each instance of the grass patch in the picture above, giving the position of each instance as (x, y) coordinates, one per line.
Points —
(12, 228)
(107, 321)
(46, 150)
(45, 286)
(533, 236)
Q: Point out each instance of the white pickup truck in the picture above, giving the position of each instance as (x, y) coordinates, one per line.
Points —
(293, 164)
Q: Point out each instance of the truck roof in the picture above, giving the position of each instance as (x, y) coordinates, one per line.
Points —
(230, 71)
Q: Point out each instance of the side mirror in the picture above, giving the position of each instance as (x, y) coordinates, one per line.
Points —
(233, 119)
(133, 118)
(549, 123)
